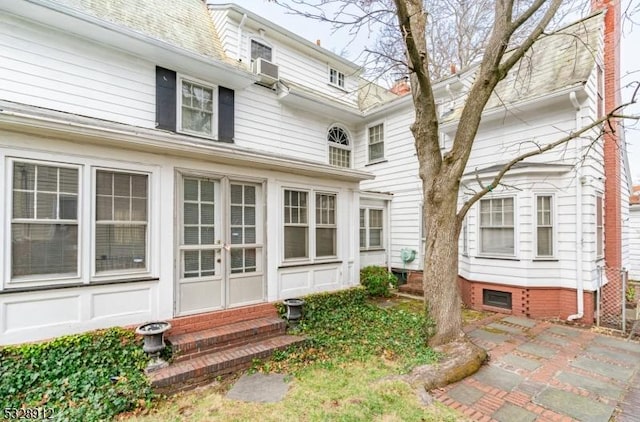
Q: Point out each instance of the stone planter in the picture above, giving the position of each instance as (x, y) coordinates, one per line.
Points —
(153, 335)
(294, 311)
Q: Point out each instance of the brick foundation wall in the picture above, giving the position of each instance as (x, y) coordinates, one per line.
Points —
(192, 323)
(529, 302)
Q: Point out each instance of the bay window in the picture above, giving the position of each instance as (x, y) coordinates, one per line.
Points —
(497, 234)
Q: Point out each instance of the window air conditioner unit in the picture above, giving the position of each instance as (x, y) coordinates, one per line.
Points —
(267, 71)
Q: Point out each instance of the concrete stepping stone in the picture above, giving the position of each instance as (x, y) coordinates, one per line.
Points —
(261, 388)
(512, 413)
(560, 341)
(584, 409)
(484, 335)
(602, 368)
(614, 354)
(593, 385)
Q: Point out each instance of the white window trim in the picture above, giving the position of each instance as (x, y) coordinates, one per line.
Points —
(311, 224)
(331, 144)
(554, 226)
(367, 227)
(214, 114)
(86, 214)
(117, 274)
(39, 279)
(384, 143)
(464, 236)
(260, 40)
(481, 254)
(342, 87)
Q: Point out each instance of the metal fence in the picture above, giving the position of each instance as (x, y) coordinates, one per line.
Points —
(611, 302)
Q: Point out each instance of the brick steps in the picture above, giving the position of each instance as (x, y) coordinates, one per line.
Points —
(412, 288)
(190, 373)
(192, 345)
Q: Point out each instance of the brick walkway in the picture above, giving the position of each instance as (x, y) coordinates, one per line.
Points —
(541, 372)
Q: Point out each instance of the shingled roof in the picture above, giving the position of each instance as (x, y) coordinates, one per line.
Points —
(556, 61)
(182, 23)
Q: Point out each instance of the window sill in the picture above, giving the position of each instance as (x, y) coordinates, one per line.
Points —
(502, 258)
(341, 88)
(372, 163)
(307, 264)
(75, 285)
(545, 260)
(373, 250)
(204, 137)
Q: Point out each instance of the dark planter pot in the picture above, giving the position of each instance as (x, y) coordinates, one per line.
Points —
(294, 311)
(153, 335)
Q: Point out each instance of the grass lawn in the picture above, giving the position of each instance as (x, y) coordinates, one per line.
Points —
(345, 373)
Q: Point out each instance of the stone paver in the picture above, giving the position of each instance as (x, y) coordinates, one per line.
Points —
(521, 362)
(537, 350)
(578, 407)
(598, 387)
(488, 336)
(511, 413)
(603, 368)
(524, 322)
(498, 378)
(505, 328)
(564, 331)
(540, 372)
(465, 394)
(259, 388)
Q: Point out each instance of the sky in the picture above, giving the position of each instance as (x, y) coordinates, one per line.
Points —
(314, 30)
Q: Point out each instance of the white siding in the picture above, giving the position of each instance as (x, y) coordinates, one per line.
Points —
(45, 68)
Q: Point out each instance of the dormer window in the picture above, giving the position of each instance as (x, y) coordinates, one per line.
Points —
(261, 51)
(336, 78)
(339, 147)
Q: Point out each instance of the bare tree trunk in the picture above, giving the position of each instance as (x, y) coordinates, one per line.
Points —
(440, 279)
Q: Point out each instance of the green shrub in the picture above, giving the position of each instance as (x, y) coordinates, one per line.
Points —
(377, 280)
(86, 377)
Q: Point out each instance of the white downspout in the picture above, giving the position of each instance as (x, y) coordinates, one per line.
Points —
(242, 21)
(579, 254)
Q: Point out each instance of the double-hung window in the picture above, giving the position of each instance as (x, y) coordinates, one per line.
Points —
(44, 220)
(303, 228)
(376, 143)
(260, 51)
(296, 224)
(497, 234)
(325, 224)
(197, 108)
(371, 228)
(336, 78)
(121, 221)
(544, 226)
(599, 227)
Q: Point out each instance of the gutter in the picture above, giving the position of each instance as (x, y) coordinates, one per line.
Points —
(240, 28)
(579, 244)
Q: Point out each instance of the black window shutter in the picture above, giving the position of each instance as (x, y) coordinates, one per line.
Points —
(165, 99)
(226, 113)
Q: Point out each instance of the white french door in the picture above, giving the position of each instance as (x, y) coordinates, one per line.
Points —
(221, 249)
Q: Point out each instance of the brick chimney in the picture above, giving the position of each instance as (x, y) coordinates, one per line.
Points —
(401, 86)
(612, 152)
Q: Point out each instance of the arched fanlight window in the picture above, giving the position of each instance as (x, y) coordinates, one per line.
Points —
(339, 147)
